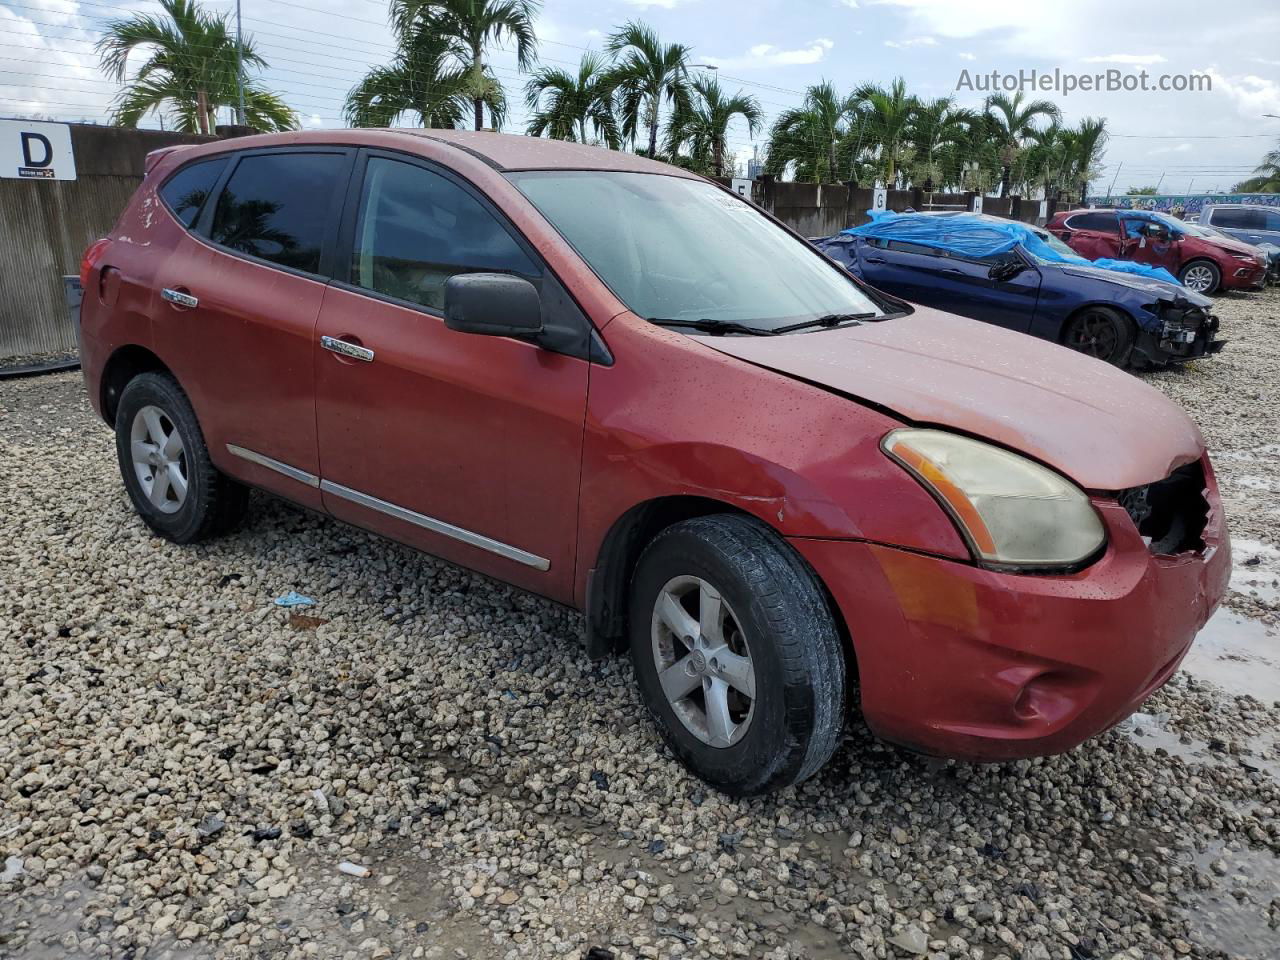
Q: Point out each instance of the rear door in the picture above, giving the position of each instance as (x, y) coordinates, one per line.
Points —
(1246, 224)
(1095, 235)
(900, 268)
(463, 445)
(240, 299)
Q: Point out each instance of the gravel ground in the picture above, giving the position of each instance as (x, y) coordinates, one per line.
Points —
(183, 765)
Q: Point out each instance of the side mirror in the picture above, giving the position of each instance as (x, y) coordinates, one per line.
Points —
(1006, 270)
(492, 304)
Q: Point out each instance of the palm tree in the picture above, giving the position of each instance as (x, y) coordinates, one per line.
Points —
(1266, 177)
(193, 64)
(936, 127)
(807, 136)
(703, 126)
(421, 80)
(563, 104)
(887, 112)
(468, 27)
(645, 73)
(1015, 121)
(1089, 141)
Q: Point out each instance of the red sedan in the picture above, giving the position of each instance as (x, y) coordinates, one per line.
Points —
(612, 383)
(1200, 260)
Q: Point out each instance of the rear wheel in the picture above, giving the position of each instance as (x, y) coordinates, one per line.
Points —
(165, 465)
(1100, 332)
(1202, 276)
(737, 654)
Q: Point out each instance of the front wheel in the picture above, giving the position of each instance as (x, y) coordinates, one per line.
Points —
(1100, 332)
(1202, 276)
(737, 654)
(165, 465)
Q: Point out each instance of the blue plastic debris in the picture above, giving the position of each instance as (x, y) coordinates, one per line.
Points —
(294, 599)
(977, 235)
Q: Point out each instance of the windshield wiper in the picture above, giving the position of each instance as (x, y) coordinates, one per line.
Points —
(829, 320)
(717, 327)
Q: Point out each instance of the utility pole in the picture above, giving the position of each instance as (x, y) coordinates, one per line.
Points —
(1119, 167)
(239, 68)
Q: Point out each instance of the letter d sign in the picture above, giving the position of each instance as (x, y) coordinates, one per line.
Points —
(32, 142)
(36, 150)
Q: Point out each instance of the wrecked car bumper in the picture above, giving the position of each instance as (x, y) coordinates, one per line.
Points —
(1179, 335)
(959, 661)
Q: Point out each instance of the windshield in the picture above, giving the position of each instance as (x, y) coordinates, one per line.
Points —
(1054, 244)
(685, 250)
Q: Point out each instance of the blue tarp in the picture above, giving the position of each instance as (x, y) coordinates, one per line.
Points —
(975, 235)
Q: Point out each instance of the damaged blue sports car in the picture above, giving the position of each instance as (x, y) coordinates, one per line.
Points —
(1024, 278)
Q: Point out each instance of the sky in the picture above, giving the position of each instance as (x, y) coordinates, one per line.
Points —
(772, 49)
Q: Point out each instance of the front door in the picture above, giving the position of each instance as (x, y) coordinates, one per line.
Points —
(463, 445)
(964, 286)
(1150, 242)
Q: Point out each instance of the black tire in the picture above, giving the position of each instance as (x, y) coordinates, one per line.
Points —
(1215, 276)
(214, 503)
(795, 648)
(1100, 332)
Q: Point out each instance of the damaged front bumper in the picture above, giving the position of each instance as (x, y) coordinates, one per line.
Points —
(1179, 331)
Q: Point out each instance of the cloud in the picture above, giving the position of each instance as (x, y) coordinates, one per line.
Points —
(1269, 63)
(645, 4)
(911, 42)
(1180, 148)
(1251, 95)
(966, 56)
(50, 80)
(1137, 59)
(851, 4)
(767, 55)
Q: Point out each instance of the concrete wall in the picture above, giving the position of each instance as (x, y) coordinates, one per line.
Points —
(45, 226)
(819, 210)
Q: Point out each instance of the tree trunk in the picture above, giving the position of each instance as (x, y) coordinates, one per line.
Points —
(1004, 180)
(202, 112)
(653, 130)
(478, 67)
(717, 158)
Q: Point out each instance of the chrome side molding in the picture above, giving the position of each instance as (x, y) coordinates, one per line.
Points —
(293, 473)
(437, 526)
(460, 534)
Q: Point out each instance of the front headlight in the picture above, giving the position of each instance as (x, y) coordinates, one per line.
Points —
(1011, 510)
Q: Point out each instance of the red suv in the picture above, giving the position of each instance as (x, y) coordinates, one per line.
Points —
(1201, 261)
(614, 384)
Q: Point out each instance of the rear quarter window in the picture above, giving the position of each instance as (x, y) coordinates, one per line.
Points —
(1105, 222)
(185, 192)
(277, 206)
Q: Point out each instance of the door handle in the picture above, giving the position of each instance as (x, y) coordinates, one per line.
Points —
(179, 298)
(874, 260)
(956, 270)
(347, 349)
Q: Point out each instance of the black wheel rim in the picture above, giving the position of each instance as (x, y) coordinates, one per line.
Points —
(1093, 334)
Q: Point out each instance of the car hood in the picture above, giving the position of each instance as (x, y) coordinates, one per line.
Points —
(1231, 245)
(1105, 429)
(1133, 281)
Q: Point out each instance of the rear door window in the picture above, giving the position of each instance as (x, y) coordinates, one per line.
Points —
(278, 206)
(1103, 221)
(186, 191)
(1237, 218)
(415, 229)
(1271, 220)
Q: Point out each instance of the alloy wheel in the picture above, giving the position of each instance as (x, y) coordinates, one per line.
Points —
(1094, 334)
(1198, 278)
(159, 459)
(703, 661)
